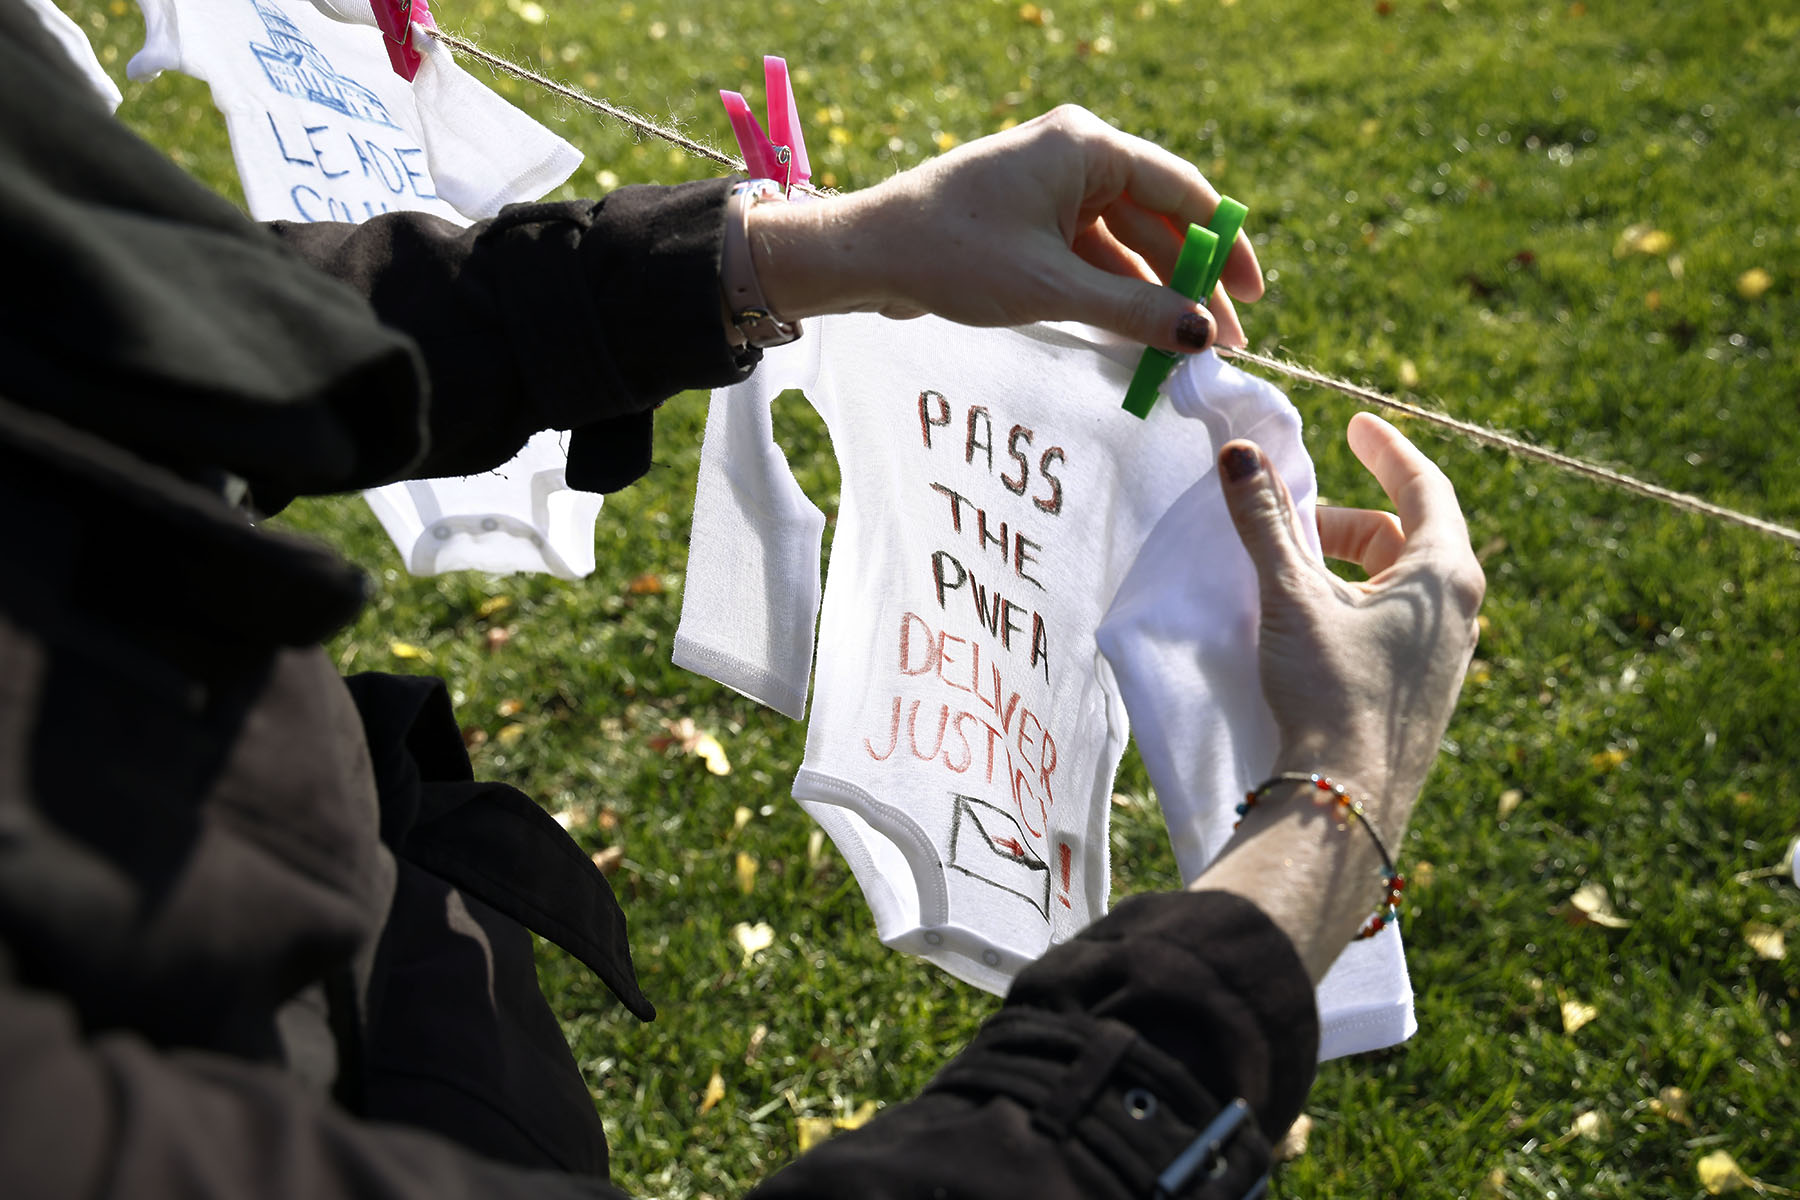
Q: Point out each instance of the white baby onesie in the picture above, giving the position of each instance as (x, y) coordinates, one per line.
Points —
(1005, 530)
(322, 129)
(81, 52)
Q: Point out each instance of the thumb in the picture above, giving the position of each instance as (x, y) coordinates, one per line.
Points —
(1140, 311)
(1256, 498)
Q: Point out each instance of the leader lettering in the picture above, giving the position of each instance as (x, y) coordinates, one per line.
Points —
(361, 164)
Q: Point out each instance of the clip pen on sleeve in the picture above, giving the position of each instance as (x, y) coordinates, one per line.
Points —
(1197, 273)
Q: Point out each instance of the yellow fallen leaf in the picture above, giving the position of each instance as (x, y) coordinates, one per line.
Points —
(753, 939)
(1422, 875)
(510, 734)
(408, 650)
(1754, 282)
(1576, 1013)
(1609, 760)
(1591, 1125)
(1719, 1173)
(740, 818)
(1591, 904)
(1409, 374)
(1031, 14)
(757, 1037)
(1768, 941)
(746, 873)
(492, 605)
(812, 1131)
(1642, 239)
(815, 848)
(1293, 1144)
(692, 739)
(510, 707)
(715, 1092)
(1672, 1104)
(707, 747)
(859, 1118)
(1508, 802)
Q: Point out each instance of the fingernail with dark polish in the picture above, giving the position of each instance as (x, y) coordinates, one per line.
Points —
(1194, 331)
(1240, 463)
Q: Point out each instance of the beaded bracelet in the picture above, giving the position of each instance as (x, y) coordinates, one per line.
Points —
(1388, 911)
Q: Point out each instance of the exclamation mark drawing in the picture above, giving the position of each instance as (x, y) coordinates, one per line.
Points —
(1062, 849)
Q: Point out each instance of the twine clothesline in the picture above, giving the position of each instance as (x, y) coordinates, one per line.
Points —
(575, 95)
(1523, 449)
(1477, 433)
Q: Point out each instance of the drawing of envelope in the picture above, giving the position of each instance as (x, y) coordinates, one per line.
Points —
(987, 844)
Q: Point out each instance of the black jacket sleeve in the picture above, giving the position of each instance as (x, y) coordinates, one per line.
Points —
(143, 308)
(582, 316)
(1112, 1053)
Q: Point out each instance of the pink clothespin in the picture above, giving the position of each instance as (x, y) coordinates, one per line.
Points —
(781, 155)
(396, 19)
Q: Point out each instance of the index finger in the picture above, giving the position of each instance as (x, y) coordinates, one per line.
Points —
(1166, 183)
(1422, 495)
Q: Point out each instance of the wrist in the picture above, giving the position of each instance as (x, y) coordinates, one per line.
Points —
(751, 318)
(811, 258)
(1308, 865)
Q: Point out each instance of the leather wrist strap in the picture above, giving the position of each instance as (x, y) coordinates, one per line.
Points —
(752, 320)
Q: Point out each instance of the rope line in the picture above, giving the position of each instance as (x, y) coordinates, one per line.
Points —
(575, 95)
(1524, 449)
(1476, 433)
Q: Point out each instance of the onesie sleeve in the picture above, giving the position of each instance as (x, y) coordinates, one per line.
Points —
(579, 315)
(750, 603)
(1112, 1054)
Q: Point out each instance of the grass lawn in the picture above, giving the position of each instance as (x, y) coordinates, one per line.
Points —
(1551, 217)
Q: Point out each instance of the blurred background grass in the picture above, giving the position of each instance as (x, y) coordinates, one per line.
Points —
(1573, 220)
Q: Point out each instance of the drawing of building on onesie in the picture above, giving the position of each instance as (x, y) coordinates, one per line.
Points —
(296, 67)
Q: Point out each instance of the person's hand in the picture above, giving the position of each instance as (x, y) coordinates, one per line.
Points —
(1061, 218)
(1361, 678)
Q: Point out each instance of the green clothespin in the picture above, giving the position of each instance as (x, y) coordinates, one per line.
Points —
(1197, 273)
